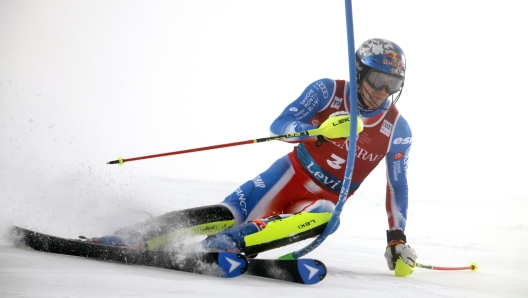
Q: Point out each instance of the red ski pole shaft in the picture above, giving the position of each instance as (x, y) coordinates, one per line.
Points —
(335, 127)
(472, 267)
(120, 160)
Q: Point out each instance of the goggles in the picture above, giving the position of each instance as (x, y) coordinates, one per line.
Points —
(379, 80)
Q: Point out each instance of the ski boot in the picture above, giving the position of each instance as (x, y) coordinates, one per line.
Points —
(232, 239)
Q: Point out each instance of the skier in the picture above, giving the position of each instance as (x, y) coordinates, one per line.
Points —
(294, 198)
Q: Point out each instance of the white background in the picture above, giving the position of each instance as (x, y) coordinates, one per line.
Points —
(83, 82)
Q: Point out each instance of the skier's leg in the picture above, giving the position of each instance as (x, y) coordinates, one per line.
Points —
(259, 197)
(264, 234)
(157, 231)
(261, 235)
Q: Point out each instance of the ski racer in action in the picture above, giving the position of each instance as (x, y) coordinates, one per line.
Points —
(303, 186)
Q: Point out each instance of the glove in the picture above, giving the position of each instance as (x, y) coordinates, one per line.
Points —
(397, 247)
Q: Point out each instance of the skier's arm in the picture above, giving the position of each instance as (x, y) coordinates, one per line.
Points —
(397, 160)
(397, 196)
(297, 114)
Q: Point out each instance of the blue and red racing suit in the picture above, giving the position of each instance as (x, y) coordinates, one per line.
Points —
(310, 177)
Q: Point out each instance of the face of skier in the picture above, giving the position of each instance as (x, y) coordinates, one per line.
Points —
(373, 98)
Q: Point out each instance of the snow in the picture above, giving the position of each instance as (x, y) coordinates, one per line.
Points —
(353, 255)
(82, 82)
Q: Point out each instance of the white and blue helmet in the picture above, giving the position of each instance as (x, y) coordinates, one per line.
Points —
(382, 63)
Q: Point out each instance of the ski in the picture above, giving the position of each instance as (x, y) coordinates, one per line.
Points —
(303, 271)
(222, 264)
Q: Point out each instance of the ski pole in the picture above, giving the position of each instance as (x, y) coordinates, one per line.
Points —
(473, 267)
(120, 160)
(402, 269)
(335, 127)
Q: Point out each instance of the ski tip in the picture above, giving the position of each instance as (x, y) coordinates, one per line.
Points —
(118, 161)
(232, 264)
(312, 271)
(18, 233)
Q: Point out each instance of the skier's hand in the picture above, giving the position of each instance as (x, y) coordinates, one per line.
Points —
(397, 247)
(323, 139)
(336, 127)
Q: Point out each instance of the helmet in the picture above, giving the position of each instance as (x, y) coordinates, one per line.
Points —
(375, 56)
